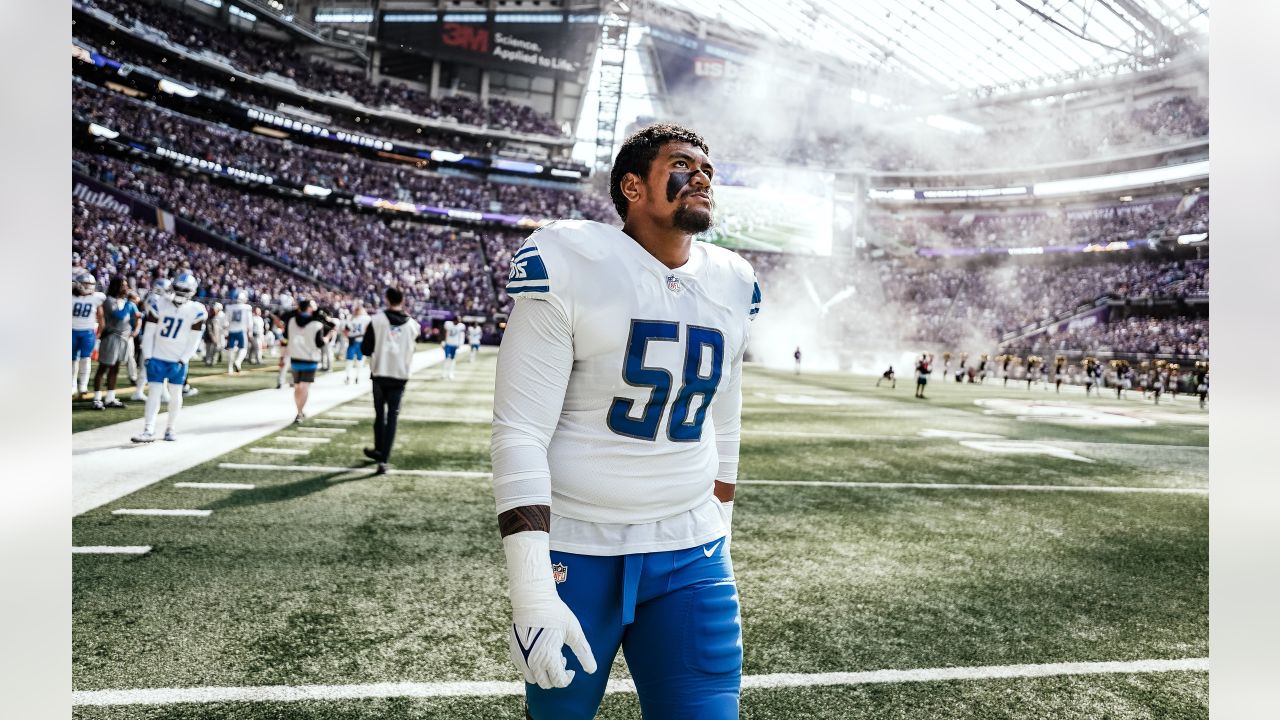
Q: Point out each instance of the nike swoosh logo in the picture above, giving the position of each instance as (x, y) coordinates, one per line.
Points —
(532, 641)
(713, 549)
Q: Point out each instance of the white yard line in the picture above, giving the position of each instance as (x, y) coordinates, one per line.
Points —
(966, 486)
(214, 485)
(278, 451)
(105, 466)
(162, 512)
(339, 468)
(294, 438)
(319, 429)
(290, 693)
(111, 550)
(333, 421)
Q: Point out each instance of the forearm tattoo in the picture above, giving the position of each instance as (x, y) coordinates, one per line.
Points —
(525, 517)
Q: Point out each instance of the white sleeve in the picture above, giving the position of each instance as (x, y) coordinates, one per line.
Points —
(726, 415)
(534, 362)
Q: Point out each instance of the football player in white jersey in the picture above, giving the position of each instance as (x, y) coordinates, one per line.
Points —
(617, 416)
(86, 322)
(239, 327)
(473, 339)
(354, 330)
(454, 336)
(174, 328)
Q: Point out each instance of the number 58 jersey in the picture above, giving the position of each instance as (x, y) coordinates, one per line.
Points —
(653, 362)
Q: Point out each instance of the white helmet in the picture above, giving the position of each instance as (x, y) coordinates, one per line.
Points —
(184, 287)
(84, 282)
(242, 296)
(217, 306)
(163, 286)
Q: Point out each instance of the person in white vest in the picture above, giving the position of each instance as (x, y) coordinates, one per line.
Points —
(389, 344)
(307, 332)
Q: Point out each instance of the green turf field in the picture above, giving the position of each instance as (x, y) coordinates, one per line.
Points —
(213, 383)
(344, 578)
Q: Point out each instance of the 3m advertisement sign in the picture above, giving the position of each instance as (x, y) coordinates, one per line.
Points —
(550, 44)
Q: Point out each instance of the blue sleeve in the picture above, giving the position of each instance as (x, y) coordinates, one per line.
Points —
(755, 300)
(528, 274)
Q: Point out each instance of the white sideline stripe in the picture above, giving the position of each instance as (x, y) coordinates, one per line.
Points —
(278, 451)
(165, 512)
(421, 418)
(339, 468)
(965, 486)
(333, 421)
(834, 436)
(214, 486)
(111, 550)
(320, 429)
(288, 693)
(294, 438)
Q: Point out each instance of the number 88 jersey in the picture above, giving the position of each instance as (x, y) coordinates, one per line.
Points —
(656, 373)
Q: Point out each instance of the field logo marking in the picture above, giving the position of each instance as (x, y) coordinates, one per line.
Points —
(1014, 447)
(1031, 411)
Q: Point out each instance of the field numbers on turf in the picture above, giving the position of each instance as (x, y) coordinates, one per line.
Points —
(680, 428)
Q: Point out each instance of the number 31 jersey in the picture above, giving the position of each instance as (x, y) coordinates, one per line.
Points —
(173, 323)
(656, 352)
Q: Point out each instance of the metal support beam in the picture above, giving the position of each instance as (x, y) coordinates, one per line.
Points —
(615, 26)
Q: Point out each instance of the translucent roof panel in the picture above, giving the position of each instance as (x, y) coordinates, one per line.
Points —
(967, 45)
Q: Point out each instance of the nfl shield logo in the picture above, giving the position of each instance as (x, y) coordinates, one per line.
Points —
(560, 572)
(673, 284)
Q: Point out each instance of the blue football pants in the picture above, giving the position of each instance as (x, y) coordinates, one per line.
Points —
(674, 615)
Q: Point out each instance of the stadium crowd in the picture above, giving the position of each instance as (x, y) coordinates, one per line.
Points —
(360, 252)
(258, 56)
(107, 243)
(1188, 337)
(301, 164)
(1164, 217)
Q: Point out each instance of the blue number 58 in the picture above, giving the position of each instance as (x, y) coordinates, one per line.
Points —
(680, 426)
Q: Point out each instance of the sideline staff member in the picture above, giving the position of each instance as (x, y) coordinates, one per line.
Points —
(307, 332)
(389, 343)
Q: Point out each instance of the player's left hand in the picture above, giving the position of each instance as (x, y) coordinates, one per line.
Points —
(726, 512)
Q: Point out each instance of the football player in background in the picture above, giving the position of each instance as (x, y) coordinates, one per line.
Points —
(239, 327)
(923, 370)
(797, 357)
(86, 323)
(354, 329)
(173, 332)
(121, 321)
(474, 333)
(454, 336)
(889, 376)
(257, 336)
(617, 415)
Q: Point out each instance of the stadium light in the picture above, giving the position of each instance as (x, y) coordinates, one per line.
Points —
(100, 131)
(316, 191)
(173, 88)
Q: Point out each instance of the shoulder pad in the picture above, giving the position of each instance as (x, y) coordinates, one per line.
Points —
(741, 269)
(528, 274)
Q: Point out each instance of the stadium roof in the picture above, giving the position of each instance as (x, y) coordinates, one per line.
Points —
(966, 45)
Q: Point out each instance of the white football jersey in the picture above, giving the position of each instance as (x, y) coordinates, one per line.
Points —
(473, 335)
(454, 333)
(357, 325)
(633, 456)
(84, 310)
(239, 317)
(173, 326)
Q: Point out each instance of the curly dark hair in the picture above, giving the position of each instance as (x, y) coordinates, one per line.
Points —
(639, 150)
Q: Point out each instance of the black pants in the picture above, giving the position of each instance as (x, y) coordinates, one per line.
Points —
(386, 408)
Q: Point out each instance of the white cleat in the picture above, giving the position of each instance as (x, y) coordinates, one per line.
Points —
(190, 392)
(170, 435)
(145, 437)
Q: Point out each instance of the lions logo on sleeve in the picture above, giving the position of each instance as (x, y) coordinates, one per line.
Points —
(528, 272)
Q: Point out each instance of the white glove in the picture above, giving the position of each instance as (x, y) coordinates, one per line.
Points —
(726, 512)
(540, 621)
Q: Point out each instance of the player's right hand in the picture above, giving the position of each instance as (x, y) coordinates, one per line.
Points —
(536, 645)
(541, 623)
